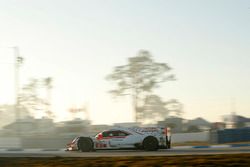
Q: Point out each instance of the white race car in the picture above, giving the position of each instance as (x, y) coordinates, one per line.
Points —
(147, 138)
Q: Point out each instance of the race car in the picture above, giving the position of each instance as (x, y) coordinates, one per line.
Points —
(145, 138)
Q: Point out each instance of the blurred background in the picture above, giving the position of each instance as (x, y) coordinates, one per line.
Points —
(77, 68)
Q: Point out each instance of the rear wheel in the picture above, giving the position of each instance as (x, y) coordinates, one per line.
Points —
(150, 143)
(85, 144)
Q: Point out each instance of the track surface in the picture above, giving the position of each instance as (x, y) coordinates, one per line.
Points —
(120, 153)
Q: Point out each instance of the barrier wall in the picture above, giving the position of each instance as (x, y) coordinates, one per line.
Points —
(45, 142)
(10, 142)
(189, 137)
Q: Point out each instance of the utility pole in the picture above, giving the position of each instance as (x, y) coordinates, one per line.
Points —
(18, 61)
(233, 113)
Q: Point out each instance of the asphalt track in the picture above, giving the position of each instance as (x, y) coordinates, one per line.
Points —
(121, 153)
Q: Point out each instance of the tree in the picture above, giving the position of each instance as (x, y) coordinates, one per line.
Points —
(7, 113)
(193, 128)
(174, 107)
(75, 111)
(154, 109)
(137, 78)
(31, 99)
(47, 82)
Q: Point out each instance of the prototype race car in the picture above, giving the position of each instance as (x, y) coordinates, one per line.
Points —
(147, 138)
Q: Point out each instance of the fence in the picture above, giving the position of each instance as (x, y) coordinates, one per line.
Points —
(231, 135)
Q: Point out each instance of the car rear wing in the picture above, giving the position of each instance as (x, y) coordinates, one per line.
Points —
(167, 131)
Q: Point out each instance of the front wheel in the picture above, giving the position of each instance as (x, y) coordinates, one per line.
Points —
(85, 144)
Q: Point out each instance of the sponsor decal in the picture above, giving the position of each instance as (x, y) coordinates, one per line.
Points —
(114, 137)
(101, 145)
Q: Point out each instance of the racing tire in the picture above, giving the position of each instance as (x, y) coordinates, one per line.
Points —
(150, 143)
(85, 144)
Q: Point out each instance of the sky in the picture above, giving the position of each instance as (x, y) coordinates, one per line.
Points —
(77, 43)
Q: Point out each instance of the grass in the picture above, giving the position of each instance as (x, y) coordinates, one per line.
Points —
(188, 160)
(200, 143)
(193, 143)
